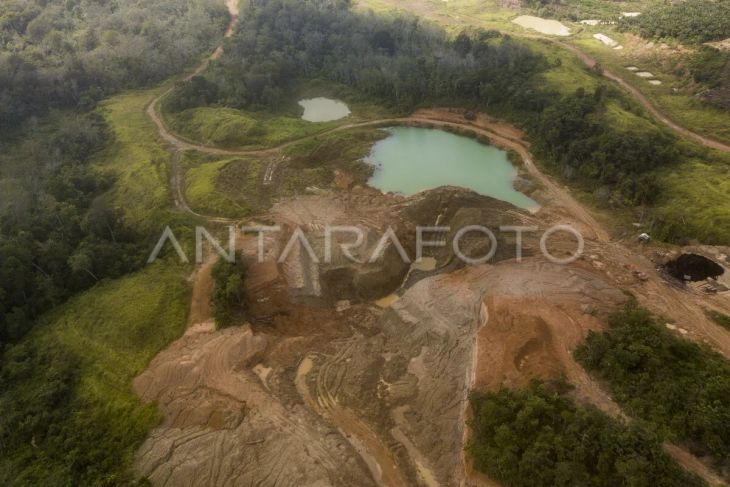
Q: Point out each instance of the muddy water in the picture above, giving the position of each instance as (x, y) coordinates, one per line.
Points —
(323, 110)
(544, 26)
(416, 159)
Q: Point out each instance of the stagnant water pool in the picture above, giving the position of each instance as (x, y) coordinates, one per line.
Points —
(323, 110)
(411, 160)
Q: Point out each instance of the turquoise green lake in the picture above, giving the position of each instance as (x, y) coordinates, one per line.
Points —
(412, 160)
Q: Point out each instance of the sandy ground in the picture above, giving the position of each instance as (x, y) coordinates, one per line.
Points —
(323, 391)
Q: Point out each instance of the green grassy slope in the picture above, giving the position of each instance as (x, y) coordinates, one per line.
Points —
(203, 195)
(70, 416)
(85, 429)
(136, 159)
(238, 129)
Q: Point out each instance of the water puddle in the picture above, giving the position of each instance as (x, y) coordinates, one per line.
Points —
(323, 110)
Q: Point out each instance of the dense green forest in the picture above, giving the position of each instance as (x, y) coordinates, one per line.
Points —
(58, 232)
(400, 60)
(537, 437)
(61, 233)
(680, 389)
(69, 414)
(43, 438)
(71, 54)
(575, 138)
(690, 21)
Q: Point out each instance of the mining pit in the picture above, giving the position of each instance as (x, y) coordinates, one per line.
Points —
(694, 267)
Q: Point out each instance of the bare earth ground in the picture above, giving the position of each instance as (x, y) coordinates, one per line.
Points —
(320, 397)
(317, 391)
(327, 384)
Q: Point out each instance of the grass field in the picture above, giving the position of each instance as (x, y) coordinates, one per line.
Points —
(102, 339)
(237, 129)
(247, 130)
(202, 193)
(136, 159)
(694, 201)
(235, 187)
(118, 327)
(671, 96)
(568, 73)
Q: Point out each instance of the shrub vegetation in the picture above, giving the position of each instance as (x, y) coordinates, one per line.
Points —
(229, 295)
(695, 21)
(680, 389)
(537, 437)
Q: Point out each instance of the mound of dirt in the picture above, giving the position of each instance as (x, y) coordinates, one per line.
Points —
(374, 214)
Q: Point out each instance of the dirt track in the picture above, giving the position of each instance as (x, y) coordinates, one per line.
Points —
(641, 98)
(498, 133)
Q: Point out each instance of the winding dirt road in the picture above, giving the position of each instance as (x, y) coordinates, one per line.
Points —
(179, 144)
(498, 134)
(641, 98)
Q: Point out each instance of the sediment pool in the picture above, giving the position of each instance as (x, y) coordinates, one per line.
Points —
(323, 110)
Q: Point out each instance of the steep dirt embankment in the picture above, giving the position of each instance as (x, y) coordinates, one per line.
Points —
(434, 326)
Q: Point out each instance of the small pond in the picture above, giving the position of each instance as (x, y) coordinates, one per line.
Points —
(323, 110)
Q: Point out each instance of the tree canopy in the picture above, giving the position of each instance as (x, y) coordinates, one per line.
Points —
(71, 54)
(678, 387)
(537, 437)
(400, 60)
(694, 21)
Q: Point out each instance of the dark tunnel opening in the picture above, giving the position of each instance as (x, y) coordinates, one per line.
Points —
(693, 267)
